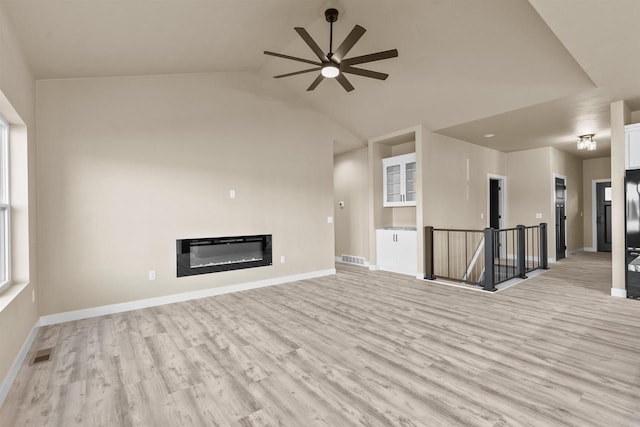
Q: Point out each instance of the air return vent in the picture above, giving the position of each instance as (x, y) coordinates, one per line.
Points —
(42, 356)
(352, 259)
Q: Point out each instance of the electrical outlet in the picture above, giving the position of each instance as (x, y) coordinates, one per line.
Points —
(481, 215)
(152, 275)
(282, 259)
(538, 216)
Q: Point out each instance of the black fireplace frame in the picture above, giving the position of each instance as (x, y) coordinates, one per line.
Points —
(183, 254)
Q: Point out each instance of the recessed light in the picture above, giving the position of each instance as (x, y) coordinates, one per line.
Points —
(489, 135)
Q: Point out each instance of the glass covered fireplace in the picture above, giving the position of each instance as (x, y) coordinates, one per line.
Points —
(213, 254)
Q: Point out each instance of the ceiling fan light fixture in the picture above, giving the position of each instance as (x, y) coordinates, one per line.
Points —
(330, 71)
(586, 142)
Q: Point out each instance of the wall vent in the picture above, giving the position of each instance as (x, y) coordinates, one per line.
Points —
(350, 259)
(42, 356)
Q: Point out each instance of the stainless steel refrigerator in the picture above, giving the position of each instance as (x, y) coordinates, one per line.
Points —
(632, 196)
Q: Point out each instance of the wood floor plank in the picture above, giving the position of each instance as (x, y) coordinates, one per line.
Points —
(361, 348)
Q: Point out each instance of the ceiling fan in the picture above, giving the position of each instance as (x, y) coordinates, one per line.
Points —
(334, 64)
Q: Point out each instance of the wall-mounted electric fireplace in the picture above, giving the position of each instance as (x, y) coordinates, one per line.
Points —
(213, 254)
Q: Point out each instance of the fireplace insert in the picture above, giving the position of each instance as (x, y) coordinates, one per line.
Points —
(213, 254)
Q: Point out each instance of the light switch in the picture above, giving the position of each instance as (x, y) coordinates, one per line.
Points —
(481, 215)
(232, 194)
(329, 220)
(538, 216)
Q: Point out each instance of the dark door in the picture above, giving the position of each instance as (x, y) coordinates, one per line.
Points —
(494, 203)
(603, 218)
(561, 219)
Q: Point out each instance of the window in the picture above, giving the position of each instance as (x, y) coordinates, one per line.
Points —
(4, 204)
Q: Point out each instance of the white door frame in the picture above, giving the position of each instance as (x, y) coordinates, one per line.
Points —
(566, 208)
(503, 199)
(594, 215)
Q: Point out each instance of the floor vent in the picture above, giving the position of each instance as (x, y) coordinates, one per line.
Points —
(42, 356)
(352, 259)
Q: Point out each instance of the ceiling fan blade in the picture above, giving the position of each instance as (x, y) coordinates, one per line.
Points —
(298, 72)
(293, 58)
(371, 57)
(348, 42)
(316, 82)
(344, 82)
(311, 43)
(365, 73)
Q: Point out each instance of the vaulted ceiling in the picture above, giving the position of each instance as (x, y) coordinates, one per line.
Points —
(533, 73)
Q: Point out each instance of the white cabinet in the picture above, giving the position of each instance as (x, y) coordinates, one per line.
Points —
(632, 146)
(396, 250)
(399, 180)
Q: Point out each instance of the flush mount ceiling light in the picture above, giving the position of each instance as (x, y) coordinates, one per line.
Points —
(334, 64)
(586, 142)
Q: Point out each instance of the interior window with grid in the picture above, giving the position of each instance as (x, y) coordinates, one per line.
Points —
(4, 204)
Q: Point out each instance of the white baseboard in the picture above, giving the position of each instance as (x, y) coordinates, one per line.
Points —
(169, 299)
(617, 292)
(373, 267)
(589, 249)
(17, 363)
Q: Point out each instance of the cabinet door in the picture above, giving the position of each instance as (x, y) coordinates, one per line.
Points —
(406, 256)
(385, 248)
(410, 182)
(393, 184)
(633, 149)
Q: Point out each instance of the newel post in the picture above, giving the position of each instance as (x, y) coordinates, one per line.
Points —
(522, 270)
(428, 253)
(544, 253)
(489, 258)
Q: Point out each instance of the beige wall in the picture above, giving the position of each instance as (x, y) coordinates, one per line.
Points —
(530, 191)
(379, 216)
(18, 314)
(350, 185)
(450, 200)
(529, 188)
(129, 165)
(570, 166)
(592, 169)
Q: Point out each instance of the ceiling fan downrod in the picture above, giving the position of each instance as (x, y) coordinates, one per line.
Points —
(331, 15)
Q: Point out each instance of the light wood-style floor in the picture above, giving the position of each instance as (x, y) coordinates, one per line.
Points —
(361, 348)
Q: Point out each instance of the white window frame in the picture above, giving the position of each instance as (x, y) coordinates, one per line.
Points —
(5, 207)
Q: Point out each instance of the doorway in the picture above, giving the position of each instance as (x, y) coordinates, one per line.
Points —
(561, 217)
(496, 216)
(497, 189)
(603, 216)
